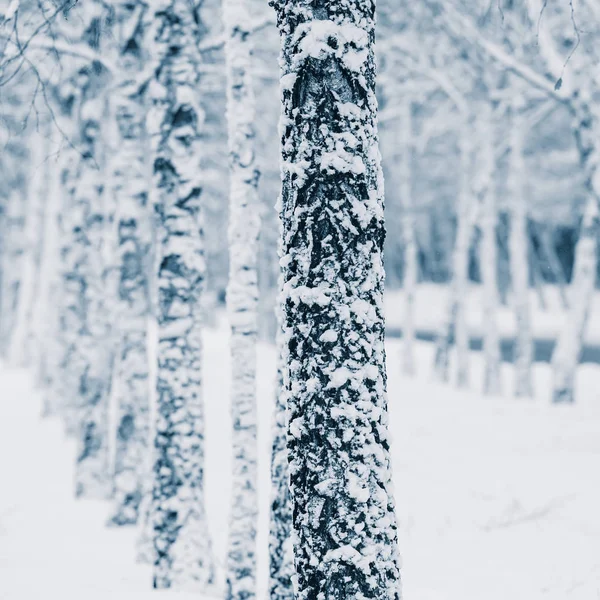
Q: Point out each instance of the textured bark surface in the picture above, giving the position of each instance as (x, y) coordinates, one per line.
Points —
(12, 257)
(281, 556)
(181, 547)
(21, 348)
(344, 526)
(486, 194)
(519, 260)
(93, 477)
(570, 342)
(129, 175)
(455, 330)
(409, 281)
(242, 298)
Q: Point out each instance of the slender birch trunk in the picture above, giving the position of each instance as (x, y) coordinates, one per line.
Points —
(281, 552)
(519, 260)
(489, 253)
(181, 547)
(93, 477)
(455, 329)
(20, 354)
(242, 298)
(570, 342)
(409, 283)
(12, 259)
(128, 178)
(344, 528)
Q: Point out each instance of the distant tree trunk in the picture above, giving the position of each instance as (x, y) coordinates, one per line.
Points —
(409, 281)
(93, 476)
(570, 342)
(281, 555)
(486, 193)
(20, 354)
(182, 553)
(519, 256)
(344, 527)
(12, 259)
(128, 177)
(69, 284)
(242, 298)
(455, 329)
(46, 317)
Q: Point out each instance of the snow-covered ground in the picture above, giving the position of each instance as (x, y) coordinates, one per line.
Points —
(431, 306)
(497, 498)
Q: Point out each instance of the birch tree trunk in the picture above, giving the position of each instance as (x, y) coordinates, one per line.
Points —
(12, 258)
(344, 527)
(455, 329)
(519, 260)
(570, 342)
(46, 317)
(242, 298)
(489, 253)
(281, 552)
(129, 174)
(409, 283)
(182, 553)
(93, 474)
(20, 354)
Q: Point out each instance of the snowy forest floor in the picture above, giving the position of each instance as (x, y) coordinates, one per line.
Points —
(497, 497)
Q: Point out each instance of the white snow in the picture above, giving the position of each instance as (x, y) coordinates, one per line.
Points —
(497, 498)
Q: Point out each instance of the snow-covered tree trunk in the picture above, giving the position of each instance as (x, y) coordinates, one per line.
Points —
(519, 262)
(455, 329)
(33, 239)
(242, 298)
(70, 285)
(409, 281)
(46, 309)
(93, 475)
(12, 259)
(281, 556)
(344, 527)
(181, 554)
(128, 176)
(486, 192)
(570, 342)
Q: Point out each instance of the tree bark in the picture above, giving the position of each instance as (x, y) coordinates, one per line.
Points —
(455, 329)
(489, 253)
(128, 176)
(182, 550)
(344, 526)
(409, 281)
(519, 256)
(242, 297)
(570, 342)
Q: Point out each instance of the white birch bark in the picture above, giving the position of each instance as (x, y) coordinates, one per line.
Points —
(486, 192)
(281, 551)
(128, 176)
(570, 342)
(12, 259)
(176, 537)
(20, 354)
(409, 282)
(519, 260)
(242, 298)
(93, 477)
(455, 329)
